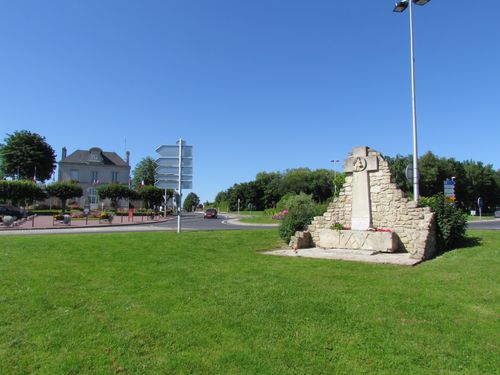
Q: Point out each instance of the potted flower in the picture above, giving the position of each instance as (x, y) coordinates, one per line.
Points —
(107, 216)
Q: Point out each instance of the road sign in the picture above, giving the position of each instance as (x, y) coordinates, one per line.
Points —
(173, 184)
(449, 182)
(173, 151)
(449, 190)
(174, 162)
(175, 171)
(480, 202)
(186, 171)
(409, 172)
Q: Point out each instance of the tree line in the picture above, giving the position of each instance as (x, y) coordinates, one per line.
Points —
(269, 188)
(473, 180)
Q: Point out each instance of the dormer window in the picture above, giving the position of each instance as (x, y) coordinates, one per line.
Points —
(95, 155)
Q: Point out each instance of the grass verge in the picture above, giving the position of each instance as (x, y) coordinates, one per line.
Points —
(207, 302)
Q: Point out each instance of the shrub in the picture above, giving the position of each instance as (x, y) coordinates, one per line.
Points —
(301, 210)
(451, 221)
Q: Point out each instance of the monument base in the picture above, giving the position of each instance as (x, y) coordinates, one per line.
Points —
(358, 240)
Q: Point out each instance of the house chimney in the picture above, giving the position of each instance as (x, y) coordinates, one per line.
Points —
(127, 157)
(64, 152)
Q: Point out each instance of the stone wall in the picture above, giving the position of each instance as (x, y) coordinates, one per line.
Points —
(414, 226)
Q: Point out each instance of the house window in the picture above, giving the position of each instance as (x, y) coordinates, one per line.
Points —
(114, 177)
(94, 178)
(73, 175)
(93, 197)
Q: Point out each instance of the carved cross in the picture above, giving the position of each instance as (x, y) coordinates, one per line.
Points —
(359, 164)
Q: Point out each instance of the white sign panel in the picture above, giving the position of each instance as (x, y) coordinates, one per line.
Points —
(173, 184)
(173, 151)
(174, 170)
(174, 162)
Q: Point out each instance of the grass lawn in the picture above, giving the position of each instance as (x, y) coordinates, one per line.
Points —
(257, 217)
(483, 217)
(208, 303)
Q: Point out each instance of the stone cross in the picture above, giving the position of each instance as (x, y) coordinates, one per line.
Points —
(359, 164)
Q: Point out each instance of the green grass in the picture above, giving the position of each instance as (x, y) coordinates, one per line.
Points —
(209, 303)
(257, 217)
(483, 217)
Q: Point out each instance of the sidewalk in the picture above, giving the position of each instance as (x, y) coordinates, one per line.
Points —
(47, 222)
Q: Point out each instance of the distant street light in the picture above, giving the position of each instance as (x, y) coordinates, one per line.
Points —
(401, 7)
(334, 176)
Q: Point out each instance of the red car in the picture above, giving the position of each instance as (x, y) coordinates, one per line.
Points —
(210, 213)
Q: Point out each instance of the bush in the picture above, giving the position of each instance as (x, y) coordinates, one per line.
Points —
(301, 210)
(451, 221)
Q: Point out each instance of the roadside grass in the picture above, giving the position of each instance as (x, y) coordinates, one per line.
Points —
(257, 217)
(483, 217)
(208, 302)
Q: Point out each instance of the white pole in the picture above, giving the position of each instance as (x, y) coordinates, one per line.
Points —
(416, 192)
(179, 208)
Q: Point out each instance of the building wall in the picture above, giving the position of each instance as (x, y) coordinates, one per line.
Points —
(84, 174)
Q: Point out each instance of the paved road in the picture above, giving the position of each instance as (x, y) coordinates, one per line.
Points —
(195, 221)
(485, 225)
(190, 221)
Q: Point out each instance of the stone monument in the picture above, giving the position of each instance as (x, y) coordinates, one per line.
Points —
(371, 214)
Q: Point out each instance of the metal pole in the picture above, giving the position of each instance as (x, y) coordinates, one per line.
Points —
(416, 192)
(179, 208)
(165, 204)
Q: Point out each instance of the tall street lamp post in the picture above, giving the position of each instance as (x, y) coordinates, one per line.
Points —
(334, 176)
(401, 7)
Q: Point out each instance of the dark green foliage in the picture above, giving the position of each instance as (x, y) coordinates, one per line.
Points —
(269, 188)
(398, 166)
(192, 200)
(473, 179)
(451, 221)
(20, 191)
(64, 190)
(27, 155)
(301, 210)
(145, 171)
(153, 196)
(114, 192)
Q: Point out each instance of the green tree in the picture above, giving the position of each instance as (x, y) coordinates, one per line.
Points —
(114, 192)
(269, 188)
(398, 166)
(192, 200)
(27, 154)
(153, 196)
(321, 184)
(20, 192)
(145, 171)
(297, 181)
(64, 190)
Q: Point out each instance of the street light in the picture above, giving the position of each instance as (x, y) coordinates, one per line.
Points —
(334, 176)
(401, 7)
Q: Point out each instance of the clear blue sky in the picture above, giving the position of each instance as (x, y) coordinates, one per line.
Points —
(252, 85)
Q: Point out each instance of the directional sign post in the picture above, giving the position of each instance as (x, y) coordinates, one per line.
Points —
(175, 171)
(449, 190)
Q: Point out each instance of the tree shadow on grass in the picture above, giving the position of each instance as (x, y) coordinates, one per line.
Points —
(465, 243)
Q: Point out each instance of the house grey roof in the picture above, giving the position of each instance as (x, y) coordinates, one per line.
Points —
(83, 157)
